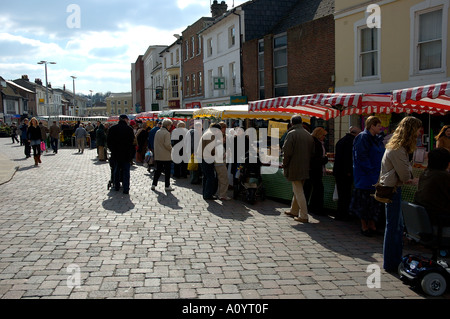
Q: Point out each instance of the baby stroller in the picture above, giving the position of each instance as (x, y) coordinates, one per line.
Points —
(431, 274)
(247, 182)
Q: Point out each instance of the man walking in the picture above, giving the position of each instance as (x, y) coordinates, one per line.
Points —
(80, 136)
(298, 150)
(24, 137)
(120, 140)
(54, 137)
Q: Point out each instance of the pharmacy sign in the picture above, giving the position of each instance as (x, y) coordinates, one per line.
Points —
(219, 83)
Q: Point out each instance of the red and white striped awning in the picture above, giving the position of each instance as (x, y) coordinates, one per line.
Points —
(433, 99)
(325, 106)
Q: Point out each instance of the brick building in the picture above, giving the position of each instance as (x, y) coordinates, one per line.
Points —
(138, 85)
(290, 51)
(192, 63)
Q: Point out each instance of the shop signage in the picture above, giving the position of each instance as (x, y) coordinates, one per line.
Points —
(238, 100)
(174, 104)
(219, 83)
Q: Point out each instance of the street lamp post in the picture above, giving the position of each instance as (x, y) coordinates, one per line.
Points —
(46, 81)
(73, 79)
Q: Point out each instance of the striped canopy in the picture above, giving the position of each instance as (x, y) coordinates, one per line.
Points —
(433, 99)
(325, 106)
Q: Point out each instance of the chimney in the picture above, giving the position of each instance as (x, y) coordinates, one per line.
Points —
(38, 81)
(64, 87)
(25, 77)
(218, 9)
(49, 85)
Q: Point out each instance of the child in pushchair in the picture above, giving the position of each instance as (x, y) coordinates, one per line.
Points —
(247, 180)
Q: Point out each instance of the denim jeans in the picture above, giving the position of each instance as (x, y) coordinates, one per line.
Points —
(393, 236)
(210, 183)
(54, 143)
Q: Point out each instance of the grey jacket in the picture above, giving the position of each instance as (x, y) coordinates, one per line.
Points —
(298, 149)
(395, 168)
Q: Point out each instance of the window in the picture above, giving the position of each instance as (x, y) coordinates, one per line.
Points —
(233, 77)
(200, 82)
(187, 85)
(193, 84)
(174, 83)
(429, 20)
(280, 65)
(199, 46)
(231, 36)
(187, 51)
(368, 53)
(430, 40)
(261, 69)
(192, 47)
(177, 56)
(209, 47)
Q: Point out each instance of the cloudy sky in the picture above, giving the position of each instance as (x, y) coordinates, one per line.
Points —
(94, 40)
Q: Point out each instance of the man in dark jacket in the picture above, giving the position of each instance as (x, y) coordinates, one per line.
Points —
(343, 172)
(120, 141)
(24, 137)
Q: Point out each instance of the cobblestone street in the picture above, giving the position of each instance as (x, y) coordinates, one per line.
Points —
(151, 244)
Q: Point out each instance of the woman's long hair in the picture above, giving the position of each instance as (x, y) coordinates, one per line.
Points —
(442, 132)
(32, 121)
(405, 135)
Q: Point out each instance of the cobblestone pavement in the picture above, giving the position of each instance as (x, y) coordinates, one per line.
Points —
(59, 223)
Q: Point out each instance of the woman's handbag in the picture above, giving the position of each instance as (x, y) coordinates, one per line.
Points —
(42, 146)
(384, 194)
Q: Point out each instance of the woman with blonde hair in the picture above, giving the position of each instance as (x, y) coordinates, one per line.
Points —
(35, 138)
(396, 170)
(443, 138)
(314, 190)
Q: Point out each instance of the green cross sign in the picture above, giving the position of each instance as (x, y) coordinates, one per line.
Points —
(219, 83)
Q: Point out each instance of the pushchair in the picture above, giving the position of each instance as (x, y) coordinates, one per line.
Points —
(431, 274)
(247, 181)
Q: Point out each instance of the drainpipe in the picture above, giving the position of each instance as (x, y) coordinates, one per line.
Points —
(240, 52)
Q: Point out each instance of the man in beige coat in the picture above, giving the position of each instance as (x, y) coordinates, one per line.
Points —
(163, 154)
(298, 149)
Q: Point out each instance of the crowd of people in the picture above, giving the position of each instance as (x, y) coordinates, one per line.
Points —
(363, 159)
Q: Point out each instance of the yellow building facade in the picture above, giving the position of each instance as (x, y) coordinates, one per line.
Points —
(391, 44)
(119, 103)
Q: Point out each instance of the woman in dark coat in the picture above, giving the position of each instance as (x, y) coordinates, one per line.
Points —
(35, 139)
(101, 142)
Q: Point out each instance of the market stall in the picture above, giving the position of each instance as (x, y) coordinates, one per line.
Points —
(323, 106)
(177, 115)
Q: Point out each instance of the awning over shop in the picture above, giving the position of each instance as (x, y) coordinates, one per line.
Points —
(325, 106)
(241, 112)
(147, 115)
(179, 114)
(433, 99)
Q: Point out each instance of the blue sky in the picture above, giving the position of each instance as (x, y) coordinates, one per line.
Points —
(95, 40)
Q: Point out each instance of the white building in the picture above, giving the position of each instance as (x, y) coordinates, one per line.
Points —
(171, 77)
(222, 60)
(153, 80)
